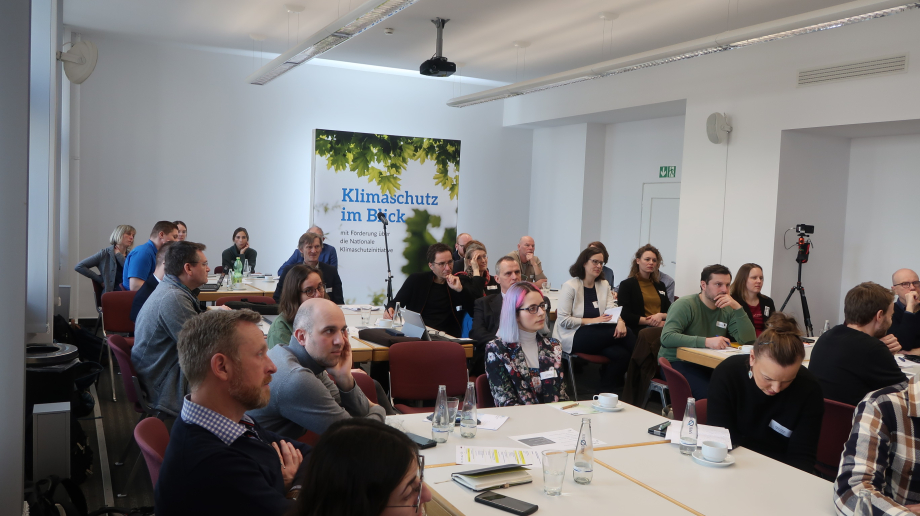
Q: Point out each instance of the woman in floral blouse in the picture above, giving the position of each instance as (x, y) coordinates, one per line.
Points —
(523, 366)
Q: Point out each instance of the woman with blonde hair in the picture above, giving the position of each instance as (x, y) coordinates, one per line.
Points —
(110, 261)
(643, 295)
(475, 275)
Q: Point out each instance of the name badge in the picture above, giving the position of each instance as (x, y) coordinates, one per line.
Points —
(780, 429)
(329, 290)
(766, 311)
(548, 375)
(459, 308)
(722, 325)
(662, 292)
(491, 287)
(595, 304)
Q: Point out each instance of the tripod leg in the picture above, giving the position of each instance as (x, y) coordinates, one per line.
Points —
(805, 313)
(786, 302)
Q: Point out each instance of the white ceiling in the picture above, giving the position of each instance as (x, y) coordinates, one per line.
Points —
(563, 34)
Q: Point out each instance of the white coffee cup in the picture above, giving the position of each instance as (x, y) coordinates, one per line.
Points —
(714, 451)
(747, 348)
(606, 399)
(384, 323)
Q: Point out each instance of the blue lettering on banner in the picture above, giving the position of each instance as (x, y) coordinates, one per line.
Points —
(398, 218)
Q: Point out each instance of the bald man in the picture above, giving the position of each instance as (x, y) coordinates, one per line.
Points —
(905, 323)
(460, 251)
(531, 269)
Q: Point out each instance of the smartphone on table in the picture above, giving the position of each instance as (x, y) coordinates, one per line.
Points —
(506, 503)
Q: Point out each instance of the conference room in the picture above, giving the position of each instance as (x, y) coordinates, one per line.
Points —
(712, 130)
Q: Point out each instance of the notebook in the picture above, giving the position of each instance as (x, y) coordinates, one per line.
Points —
(493, 477)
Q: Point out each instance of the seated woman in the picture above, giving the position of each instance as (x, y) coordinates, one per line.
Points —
(746, 291)
(767, 400)
(183, 230)
(110, 261)
(475, 275)
(642, 295)
(608, 272)
(362, 467)
(301, 283)
(523, 366)
(241, 249)
(581, 324)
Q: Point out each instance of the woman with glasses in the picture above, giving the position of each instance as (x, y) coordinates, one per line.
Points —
(582, 325)
(523, 366)
(110, 261)
(767, 400)
(240, 249)
(746, 291)
(475, 275)
(302, 282)
(642, 295)
(362, 467)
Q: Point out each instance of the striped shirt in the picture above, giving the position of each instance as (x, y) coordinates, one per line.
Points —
(883, 452)
(226, 429)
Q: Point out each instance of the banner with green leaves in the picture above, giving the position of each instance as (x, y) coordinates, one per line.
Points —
(414, 182)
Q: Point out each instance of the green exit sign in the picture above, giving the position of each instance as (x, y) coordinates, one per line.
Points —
(664, 172)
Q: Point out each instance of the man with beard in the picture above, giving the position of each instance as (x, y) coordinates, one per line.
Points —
(313, 386)
(311, 246)
(220, 461)
(711, 319)
(856, 357)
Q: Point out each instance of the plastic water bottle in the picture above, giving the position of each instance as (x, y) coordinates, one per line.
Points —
(584, 454)
(237, 273)
(827, 327)
(468, 415)
(688, 430)
(398, 320)
(441, 424)
(863, 503)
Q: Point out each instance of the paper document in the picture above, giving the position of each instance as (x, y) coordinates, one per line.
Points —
(704, 433)
(496, 456)
(490, 421)
(614, 312)
(581, 409)
(564, 439)
(357, 308)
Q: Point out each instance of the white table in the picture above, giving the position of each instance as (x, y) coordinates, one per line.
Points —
(755, 485)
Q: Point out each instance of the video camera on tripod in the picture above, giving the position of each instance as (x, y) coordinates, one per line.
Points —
(804, 231)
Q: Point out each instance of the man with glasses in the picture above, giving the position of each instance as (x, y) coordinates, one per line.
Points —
(156, 331)
(905, 322)
(310, 246)
(313, 386)
(531, 269)
(437, 295)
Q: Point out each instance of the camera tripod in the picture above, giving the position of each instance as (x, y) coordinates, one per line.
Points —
(801, 258)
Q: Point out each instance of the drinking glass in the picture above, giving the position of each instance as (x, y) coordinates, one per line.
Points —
(245, 268)
(453, 406)
(365, 315)
(554, 463)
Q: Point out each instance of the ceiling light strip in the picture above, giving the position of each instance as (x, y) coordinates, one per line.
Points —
(355, 22)
(514, 90)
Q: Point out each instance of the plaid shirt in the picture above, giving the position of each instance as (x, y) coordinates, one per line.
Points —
(226, 429)
(883, 452)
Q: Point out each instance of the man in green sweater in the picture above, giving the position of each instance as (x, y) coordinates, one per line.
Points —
(712, 320)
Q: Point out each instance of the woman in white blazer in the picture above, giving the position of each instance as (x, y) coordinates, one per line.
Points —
(581, 325)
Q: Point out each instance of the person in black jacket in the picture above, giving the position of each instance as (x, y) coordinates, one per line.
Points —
(642, 295)
(311, 245)
(240, 249)
(905, 322)
(437, 295)
(475, 275)
(220, 461)
(769, 403)
(746, 291)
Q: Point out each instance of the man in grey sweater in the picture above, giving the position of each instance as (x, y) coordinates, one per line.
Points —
(159, 322)
(313, 386)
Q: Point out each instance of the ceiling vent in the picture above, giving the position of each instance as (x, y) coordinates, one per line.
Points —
(871, 68)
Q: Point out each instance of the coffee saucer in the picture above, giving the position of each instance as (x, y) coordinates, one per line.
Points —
(698, 458)
(606, 409)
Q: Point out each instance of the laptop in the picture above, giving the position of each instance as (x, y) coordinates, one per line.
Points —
(414, 326)
(212, 287)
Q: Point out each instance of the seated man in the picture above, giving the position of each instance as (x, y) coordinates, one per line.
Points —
(711, 319)
(310, 246)
(905, 322)
(855, 358)
(487, 312)
(531, 269)
(460, 251)
(880, 455)
(143, 259)
(219, 461)
(327, 256)
(151, 284)
(437, 295)
(313, 387)
(159, 322)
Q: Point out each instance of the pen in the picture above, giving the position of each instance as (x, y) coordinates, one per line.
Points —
(570, 406)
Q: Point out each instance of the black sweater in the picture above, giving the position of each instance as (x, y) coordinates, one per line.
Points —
(757, 421)
(767, 307)
(629, 296)
(202, 475)
(413, 295)
(850, 364)
(905, 326)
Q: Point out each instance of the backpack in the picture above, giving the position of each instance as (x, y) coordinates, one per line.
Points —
(50, 496)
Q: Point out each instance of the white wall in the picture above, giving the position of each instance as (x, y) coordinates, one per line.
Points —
(176, 133)
(812, 189)
(882, 210)
(634, 153)
(756, 87)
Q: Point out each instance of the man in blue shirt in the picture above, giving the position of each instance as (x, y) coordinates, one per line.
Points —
(143, 259)
(220, 461)
(327, 255)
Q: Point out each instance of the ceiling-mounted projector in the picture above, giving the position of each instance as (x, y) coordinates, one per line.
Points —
(438, 65)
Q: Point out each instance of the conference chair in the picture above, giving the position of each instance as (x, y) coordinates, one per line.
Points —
(835, 430)
(366, 384)
(219, 269)
(153, 438)
(484, 397)
(594, 359)
(116, 312)
(417, 369)
(679, 387)
(701, 406)
(246, 299)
